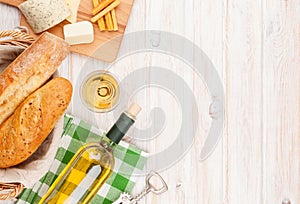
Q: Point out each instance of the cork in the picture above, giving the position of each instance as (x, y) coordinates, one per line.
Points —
(134, 109)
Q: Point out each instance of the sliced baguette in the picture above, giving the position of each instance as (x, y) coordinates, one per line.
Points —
(30, 71)
(24, 131)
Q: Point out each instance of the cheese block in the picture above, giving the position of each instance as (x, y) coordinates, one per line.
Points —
(79, 33)
(73, 5)
(44, 14)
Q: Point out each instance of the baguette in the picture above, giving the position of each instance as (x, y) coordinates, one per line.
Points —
(30, 71)
(24, 131)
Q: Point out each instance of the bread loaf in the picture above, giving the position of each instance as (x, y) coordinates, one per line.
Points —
(25, 130)
(29, 71)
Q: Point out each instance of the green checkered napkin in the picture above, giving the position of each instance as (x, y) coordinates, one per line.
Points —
(129, 161)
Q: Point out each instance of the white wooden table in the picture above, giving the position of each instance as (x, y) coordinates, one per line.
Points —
(255, 47)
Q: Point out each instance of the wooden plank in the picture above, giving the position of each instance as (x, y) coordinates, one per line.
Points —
(244, 95)
(281, 75)
(202, 182)
(9, 17)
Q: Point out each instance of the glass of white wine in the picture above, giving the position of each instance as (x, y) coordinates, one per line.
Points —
(100, 91)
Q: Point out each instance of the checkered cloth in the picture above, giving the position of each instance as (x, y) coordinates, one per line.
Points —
(129, 162)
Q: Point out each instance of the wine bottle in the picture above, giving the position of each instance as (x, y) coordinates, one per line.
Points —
(91, 166)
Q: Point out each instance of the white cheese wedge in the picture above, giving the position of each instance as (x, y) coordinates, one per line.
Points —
(73, 6)
(79, 33)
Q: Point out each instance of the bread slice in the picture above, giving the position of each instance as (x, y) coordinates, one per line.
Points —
(24, 131)
(30, 71)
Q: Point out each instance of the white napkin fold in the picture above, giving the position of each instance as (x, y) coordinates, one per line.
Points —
(8, 54)
(30, 171)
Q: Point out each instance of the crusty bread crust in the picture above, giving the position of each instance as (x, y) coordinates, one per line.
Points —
(30, 71)
(26, 129)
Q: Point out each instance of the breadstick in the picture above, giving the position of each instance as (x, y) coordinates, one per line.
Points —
(101, 23)
(101, 6)
(114, 19)
(109, 22)
(105, 11)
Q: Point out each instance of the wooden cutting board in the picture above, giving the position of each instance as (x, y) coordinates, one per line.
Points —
(106, 44)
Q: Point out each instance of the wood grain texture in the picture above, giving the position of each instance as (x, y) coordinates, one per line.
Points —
(255, 47)
(281, 101)
(103, 39)
(244, 102)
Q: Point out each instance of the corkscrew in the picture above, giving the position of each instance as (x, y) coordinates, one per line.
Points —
(126, 198)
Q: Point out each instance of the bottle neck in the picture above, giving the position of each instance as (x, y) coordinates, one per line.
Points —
(119, 129)
(107, 143)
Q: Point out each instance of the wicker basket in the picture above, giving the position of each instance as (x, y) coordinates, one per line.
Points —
(20, 38)
(10, 190)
